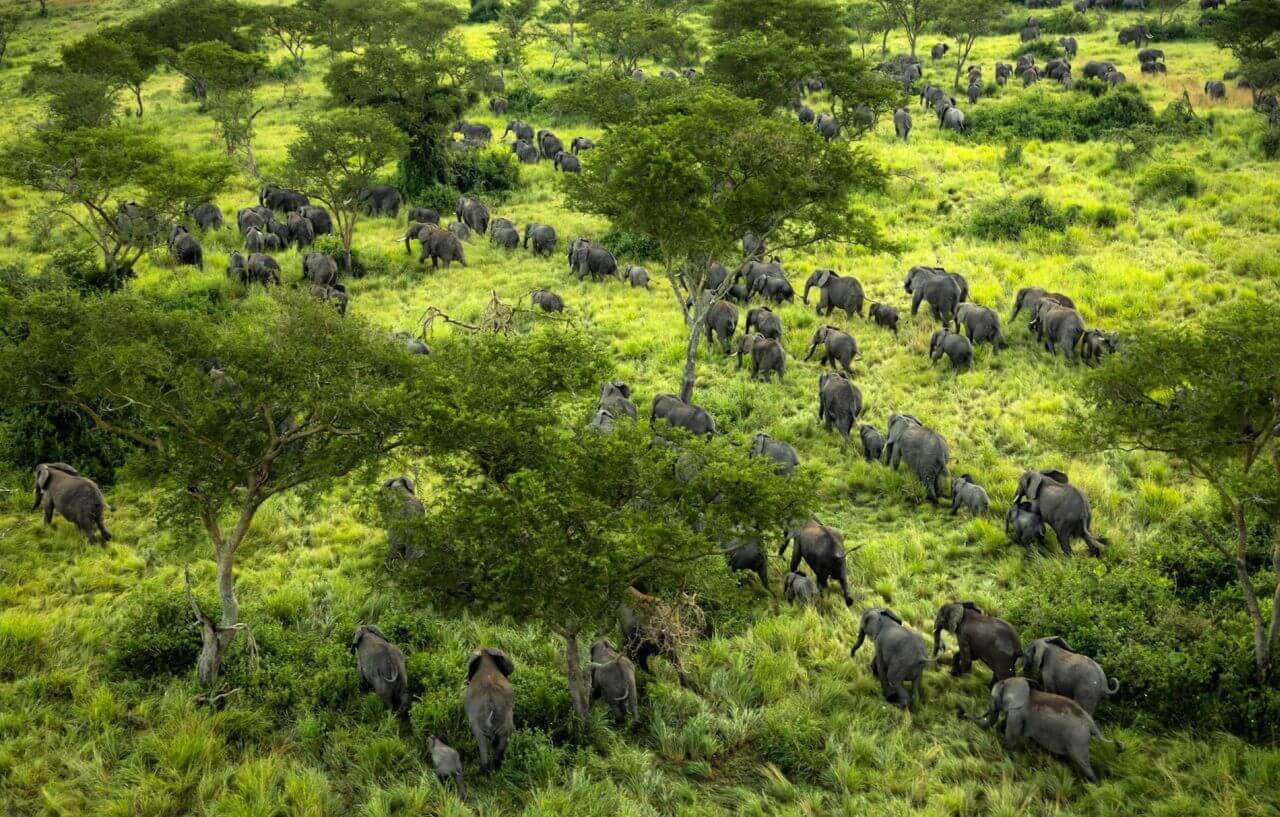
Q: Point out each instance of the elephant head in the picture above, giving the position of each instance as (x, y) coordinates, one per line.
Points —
(758, 443)
(402, 483)
(820, 336)
(498, 657)
(44, 473)
(898, 425)
(615, 388)
(949, 617)
(1033, 655)
(818, 278)
(874, 621)
(1031, 483)
(361, 632)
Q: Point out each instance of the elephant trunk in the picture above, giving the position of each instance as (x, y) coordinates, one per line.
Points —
(805, 297)
(39, 498)
(862, 636)
(812, 348)
(786, 540)
(937, 641)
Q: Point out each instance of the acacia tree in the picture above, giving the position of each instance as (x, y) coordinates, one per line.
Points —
(625, 32)
(230, 81)
(696, 172)
(291, 26)
(912, 16)
(1252, 32)
(964, 21)
(867, 19)
(338, 155)
(301, 396)
(515, 32)
(114, 56)
(1207, 394)
(172, 28)
(121, 185)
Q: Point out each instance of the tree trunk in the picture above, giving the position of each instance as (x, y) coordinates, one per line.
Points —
(884, 43)
(690, 375)
(137, 95)
(578, 691)
(1261, 643)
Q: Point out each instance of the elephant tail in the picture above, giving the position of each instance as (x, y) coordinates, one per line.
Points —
(1114, 687)
(1097, 733)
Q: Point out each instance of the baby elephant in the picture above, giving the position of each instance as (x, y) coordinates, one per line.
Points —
(900, 656)
(762, 445)
(613, 680)
(884, 315)
(636, 276)
(750, 557)
(381, 666)
(1024, 525)
(798, 588)
(59, 487)
(489, 702)
(1065, 672)
(956, 347)
(1059, 725)
(447, 763)
(872, 442)
(966, 492)
(547, 300)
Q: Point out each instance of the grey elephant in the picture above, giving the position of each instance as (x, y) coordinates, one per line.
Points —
(258, 241)
(302, 233)
(952, 119)
(580, 143)
(520, 129)
(248, 218)
(1065, 672)
(589, 259)
(805, 114)
(777, 290)
(446, 763)
(784, 455)
(638, 277)
(549, 144)
(955, 346)
(402, 505)
(472, 212)
(884, 315)
(441, 245)
(981, 324)
(900, 656)
(462, 231)
(184, 248)
(721, 323)
(262, 269)
(281, 200)
(902, 123)
(206, 215)
(615, 396)
(490, 703)
(838, 347)
(424, 215)
(1029, 298)
(1063, 506)
(938, 51)
(498, 105)
(1059, 327)
(763, 320)
(332, 294)
(382, 200)
(980, 637)
(237, 267)
(473, 132)
(504, 236)
(827, 126)
(1057, 724)
(839, 403)
(967, 494)
(1024, 525)
(281, 233)
(1095, 345)
(1215, 89)
(525, 152)
(767, 356)
(798, 588)
(821, 547)
(935, 286)
(414, 346)
(416, 231)
(601, 422)
(543, 238)
(872, 442)
(321, 221)
(753, 272)
(546, 300)
(680, 414)
(838, 292)
(923, 449)
(1135, 35)
(567, 163)
(973, 92)
(1097, 69)
(613, 680)
(750, 557)
(381, 667)
(59, 487)
(753, 246)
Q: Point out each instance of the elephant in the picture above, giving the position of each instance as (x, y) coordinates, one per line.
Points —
(402, 504)
(446, 763)
(281, 200)
(839, 403)
(721, 323)
(59, 487)
(543, 237)
(902, 123)
(763, 320)
(900, 657)
(953, 119)
(910, 74)
(1065, 672)
(1063, 506)
(415, 346)
(441, 245)
(522, 131)
(753, 272)
(321, 222)
(939, 51)
(281, 233)
(753, 246)
(680, 414)
(777, 290)
(767, 357)
(924, 450)
(1024, 525)
(737, 293)
(262, 269)
(798, 588)
(1151, 55)
(1153, 68)
(1059, 326)
(715, 276)
(689, 73)
(207, 216)
(601, 422)
(814, 84)
(981, 324)
(942, 290)
(837, 292)
(1215, 89)
(184, 248)
(504, 236)
(955, 346)
(783, 455)
(525, 152)
(613, 680)
(1057, 724)
(1029, 33)
(1095, 345)
(616, 397)
(489, 703)
(417, 230)
(1003, 72)
(424, 215)
(381, 667)
(586, 258)
(580, 143)
(638, 277)
(1115, 78)
(822, 548)
(1135, 35)
(974, 91)
(462, 231)
(547, 301)
(992, 641)
(567, 163)
(549, 144)
(1069, 46)
(236, 268)
(884, 315)
(827, 126)
(1030, 298)
(301, 231)
(472, 212)
(838, 347)
(1095, 69)
(381, 200)
(319, 269)
(257, 241)
(872, 442)
(805, 114)
(644, 636)
(750, 557)
(474, 132)
(248, 218)
(498, 106)
(1056, 69)
(965, 492)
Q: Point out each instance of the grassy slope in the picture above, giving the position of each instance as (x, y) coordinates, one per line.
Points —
(786, 723)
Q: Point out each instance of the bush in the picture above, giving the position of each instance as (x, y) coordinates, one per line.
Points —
(1169, 182)
(1000, 219)
(331, 245)
(1066, 21)
(29, 436)
(631, 246)
(1177, 28)
(522, 101)
(440, 197)
(1061, 116)
(81, 268)
(155, 635)
(1270, 142)
(484, 11)
(483, 171)
(1040, 49)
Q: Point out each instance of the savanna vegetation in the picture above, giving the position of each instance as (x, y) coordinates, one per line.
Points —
(432, 449)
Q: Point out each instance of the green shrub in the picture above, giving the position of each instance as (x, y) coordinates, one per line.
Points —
(484, 11)
(440, 197)
(1169, 182)
(631, 246)
(1061, 116)
(1067, 21)
(1177, 28)
(1040, 49)
(29, 436)
(155, 635)
(491, 172)
(332, 245)
(522, 101)
(1270, 142)
(999, 219)
(1106, 217)
(82, 269)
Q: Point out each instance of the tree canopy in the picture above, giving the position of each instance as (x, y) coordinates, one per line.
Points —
(1252, 32)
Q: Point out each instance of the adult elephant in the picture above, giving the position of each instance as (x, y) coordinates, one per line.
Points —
(382, 668)
(839, 403)
(923, 449)
(489, 703)
(184, 248)
(567, 163)
(992, 641)
(473, 132)
(952, 119)
(753, 273)
(59, 487)
(679, 414)
(900, 657)
(472, 212)
(1029, 298)
(1058, 326)
(207, 216)
(441, 245)
(319, 269)
(838, 347)
(1063, 506)
(837, 292)
(763, 320)
(504, 236)
(1133, 35)
(937, 287)
(822, 548)
(721, 322)
(543, 236)
(580, 143)
(1215, 89)
(902, 123)
(827, 126)
(1065, 672)
(549, 144)
(1097, 69)
(282, 200)
(588, 259)
(381, 200)
(320, 219)
(520, 129)
(981, 324)
(783, 454)
(525, 152)
(302, 233)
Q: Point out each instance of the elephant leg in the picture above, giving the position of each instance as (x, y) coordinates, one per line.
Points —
(843, 578)
(1013, 726)
(500, 749)
(1079, 754)
(845, 364)
(915, 302)
(795, 557)
(48, 513)
(1064, 540)
(955, 503)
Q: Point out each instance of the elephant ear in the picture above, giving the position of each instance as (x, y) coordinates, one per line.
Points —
(64, 468)
(969, 605)
(1034, 481)
(473, 664)
(1057, 476)
(376, 631)
(355, 639)
(889, 614)
(500, 658)
(1015, 693)
(623, 388)
(823, 277)
(1059, 641)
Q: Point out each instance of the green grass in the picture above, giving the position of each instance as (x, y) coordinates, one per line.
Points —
(783, 721)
